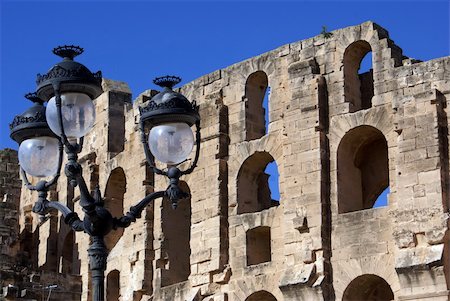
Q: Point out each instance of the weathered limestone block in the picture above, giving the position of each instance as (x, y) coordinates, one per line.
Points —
(420, 257)
(323, 236)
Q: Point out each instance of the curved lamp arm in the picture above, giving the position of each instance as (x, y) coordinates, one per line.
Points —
(197, 150)
(136, 211)
(24, 177)
(42, 206)
(60, 159)
(70, 218)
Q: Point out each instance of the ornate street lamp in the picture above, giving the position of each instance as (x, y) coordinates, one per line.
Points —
(44, 131)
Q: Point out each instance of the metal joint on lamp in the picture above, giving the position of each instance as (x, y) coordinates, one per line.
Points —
(69, 76)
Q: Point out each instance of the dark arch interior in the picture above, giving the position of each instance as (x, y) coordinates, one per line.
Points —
(362, 168)
(253, 191)
(369, 288)
(261, 296)
(256, 89)
(113, 285)
(114, 195)
(69, 261)
(258, 245)
(358, 87)
(176, 226)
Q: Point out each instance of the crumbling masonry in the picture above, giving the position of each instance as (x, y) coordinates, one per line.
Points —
(339, 138)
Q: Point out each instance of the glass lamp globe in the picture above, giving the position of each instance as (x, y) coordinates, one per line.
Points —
(78, 115)
(39, 156)
(171, 143)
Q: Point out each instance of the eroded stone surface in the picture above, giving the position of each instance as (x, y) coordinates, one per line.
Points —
(339, 138)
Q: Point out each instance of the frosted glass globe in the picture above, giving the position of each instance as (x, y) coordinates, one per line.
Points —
(78, 114)
(39, 156)
(171, 143)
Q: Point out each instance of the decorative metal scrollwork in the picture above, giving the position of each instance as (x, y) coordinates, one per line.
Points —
(18, 120)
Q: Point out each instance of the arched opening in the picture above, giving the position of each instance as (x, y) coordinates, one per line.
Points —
(113, 285)
(256, 91)
(358, 76)
(253, 190)
(258, 245)
(261, 296)
(68, 261)
(176, 226)
(114, 194)
(368, 287)
(362, 168)
(29, 251)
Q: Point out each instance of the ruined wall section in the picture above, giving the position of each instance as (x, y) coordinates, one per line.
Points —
(10, 187)
(323, 235)
(409, 111)
(310, 114)
(114, 160)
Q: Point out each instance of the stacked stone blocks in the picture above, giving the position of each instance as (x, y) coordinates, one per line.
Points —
(322, 243)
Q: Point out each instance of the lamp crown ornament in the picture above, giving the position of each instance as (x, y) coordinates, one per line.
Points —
(32, 122)
(69, 75)
(168, 105)
(32, 96)
(68, 52)
(168, 81)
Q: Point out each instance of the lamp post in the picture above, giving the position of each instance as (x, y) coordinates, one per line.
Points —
(44, 132)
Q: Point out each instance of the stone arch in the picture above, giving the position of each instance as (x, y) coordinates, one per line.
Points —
(256, 87)
(239, 153)
(253, 192)
(358, 88)
(113, 285)
(362, 168)
(68, 261)
(368, 287)
(261, 296)
(114, 201)
(378, 117)
(176, 227)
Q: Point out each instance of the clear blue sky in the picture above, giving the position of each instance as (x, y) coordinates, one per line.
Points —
(137, 41)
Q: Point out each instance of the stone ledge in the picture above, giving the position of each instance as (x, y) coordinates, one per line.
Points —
(419, 258)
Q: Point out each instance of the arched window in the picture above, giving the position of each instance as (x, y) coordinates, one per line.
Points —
(362, 168)
(368, 287)
(258, 245)
(261, 296)
(176, 226)
(256, 90)
(113, 285)
(114, 194)
(69, 262)
(358, 76)
(253, 189)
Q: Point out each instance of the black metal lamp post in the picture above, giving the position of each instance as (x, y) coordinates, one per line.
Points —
(44, 131)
